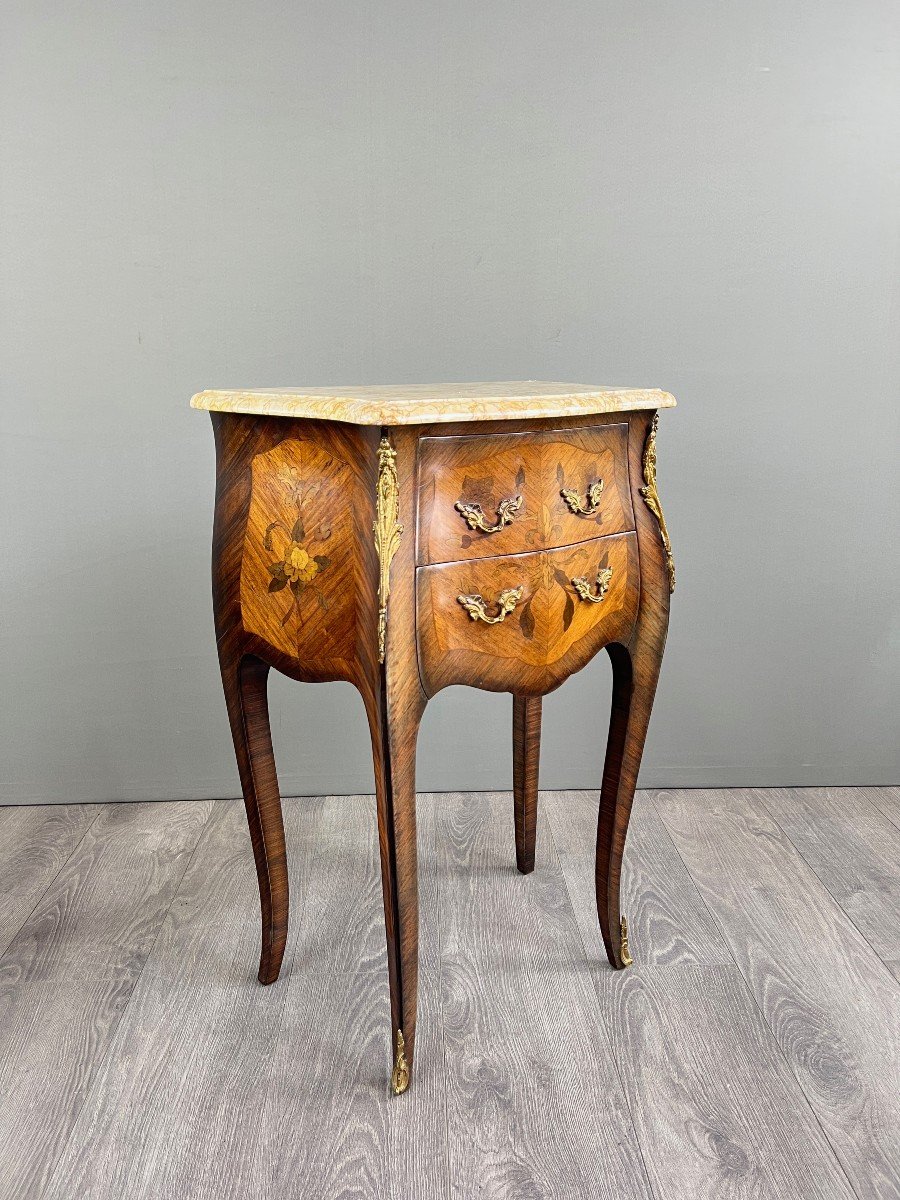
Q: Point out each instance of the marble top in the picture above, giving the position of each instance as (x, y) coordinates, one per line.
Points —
(425, 403)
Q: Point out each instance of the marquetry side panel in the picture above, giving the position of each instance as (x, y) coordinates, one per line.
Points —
(295, 570)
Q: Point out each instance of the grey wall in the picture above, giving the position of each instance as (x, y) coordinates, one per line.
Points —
(696, 196)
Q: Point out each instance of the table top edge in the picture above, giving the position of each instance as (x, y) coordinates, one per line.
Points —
(371, 409)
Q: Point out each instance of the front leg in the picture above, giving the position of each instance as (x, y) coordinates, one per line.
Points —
(395, 705)
(394, 728)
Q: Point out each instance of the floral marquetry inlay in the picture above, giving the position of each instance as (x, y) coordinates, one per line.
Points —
(298, 568)
(296, 530)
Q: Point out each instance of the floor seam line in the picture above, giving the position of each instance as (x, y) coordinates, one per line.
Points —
(604, 1025)
(772, 1034)
(787, 837)
(62, 867)
(887, 813)
(115, 1026)
(448, 1192)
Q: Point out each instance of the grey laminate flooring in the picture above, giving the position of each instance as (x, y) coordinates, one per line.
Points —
(752, 1051)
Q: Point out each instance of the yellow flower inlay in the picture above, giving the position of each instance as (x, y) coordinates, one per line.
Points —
(298, 569)
(299, 565)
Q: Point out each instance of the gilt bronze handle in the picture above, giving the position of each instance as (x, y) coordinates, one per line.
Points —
(584, 508)
(475, 518)
(476, 606)
(584, 590)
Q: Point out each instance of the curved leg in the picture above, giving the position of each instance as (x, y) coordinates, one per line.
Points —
(526, 756)
(244, 680)
(394, 730)
(635, 672)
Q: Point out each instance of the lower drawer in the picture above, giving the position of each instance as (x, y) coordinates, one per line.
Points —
(523, 622)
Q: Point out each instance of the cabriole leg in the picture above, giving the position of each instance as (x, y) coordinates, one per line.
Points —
(394, 732)
(244, 680)
(635, 673)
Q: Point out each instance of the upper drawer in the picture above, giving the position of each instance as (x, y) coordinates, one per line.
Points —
(478, 496)
(591, 467)
(484, 495)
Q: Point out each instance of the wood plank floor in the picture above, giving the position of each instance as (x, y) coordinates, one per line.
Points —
(752, 1051)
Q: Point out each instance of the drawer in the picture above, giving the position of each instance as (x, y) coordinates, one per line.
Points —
(481, 496)
(467, 482)
(591, 467)
(523, 623)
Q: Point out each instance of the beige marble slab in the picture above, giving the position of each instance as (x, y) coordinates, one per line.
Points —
(425, 403)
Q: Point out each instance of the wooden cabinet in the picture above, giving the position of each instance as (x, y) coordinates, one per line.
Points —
(404, 539)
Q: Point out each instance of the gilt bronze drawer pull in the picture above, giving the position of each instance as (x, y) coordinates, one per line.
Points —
(476, 606)
(475, 518)
(583, 588)
(587, 508)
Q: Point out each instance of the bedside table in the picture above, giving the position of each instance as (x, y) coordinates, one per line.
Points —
(406, 538)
